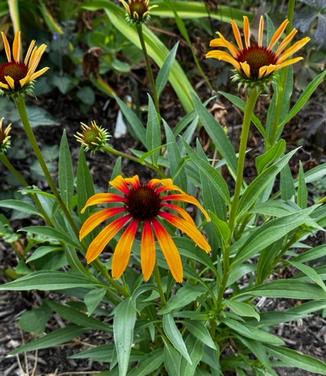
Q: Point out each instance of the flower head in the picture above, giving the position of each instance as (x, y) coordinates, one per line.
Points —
(253, 61)
(92, 137)
(137, 10)
(142, 207)
(4, 137)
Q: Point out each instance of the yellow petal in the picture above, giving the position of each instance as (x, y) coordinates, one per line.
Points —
(266, 70)
(7, 46)
(16, 47)
(103, 198)
(39, 73)
(10, 81)
(237, 35)
(285, 42)
(246, 68)
(222, 42)
(29, 52)
(261, 31)
(278, 34)
(224, 56)
(37, 57)
(292, 50)
(246, 31)
(4, 86)
(288, 62)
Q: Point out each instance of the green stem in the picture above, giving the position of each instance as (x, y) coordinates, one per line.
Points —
(21, 106)
(148, 66)
(291, 9)
(249, 109)
(157, 277)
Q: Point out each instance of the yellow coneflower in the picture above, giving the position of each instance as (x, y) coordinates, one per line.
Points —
(137, 10)
(92, 137)
(142, 206)
(4, 137)
(17, 73)
(253, 60)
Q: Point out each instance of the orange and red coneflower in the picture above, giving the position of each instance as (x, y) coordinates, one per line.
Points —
(144, 207)
(17, 73)
(253, 60)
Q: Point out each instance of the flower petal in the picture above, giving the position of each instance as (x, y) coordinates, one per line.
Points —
(266, 70)
(96, 219)
(35, 59)
(148, 251)
(188, 229)
(39, 73)
(277, 34)
(10, 82)
(246, 68)
(120, 183)
(134, 181)
(122, 251)
(222, 42)
(170, 251)
(237, 35)
(4, 86)
(29, 52)
(288, 62)
(16, 47)
(261, 31)
(246, 31)
(103, 198)
(187, 198)
(285, 42)
(6, 46)
(182, 212)
(222, 55)
(104, 237)
(292, 50)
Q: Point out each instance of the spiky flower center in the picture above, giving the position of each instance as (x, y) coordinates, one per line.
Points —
(16, 71)
(91, 135)
(257, 57)
(138, 6)
(143, 203)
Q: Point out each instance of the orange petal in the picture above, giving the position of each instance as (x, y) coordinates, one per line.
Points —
(148, 251)
(266, 70)
(6, 46)
(29, 52)
(237, 35)
(222, 55)
(120, 184)
(183, 213)
(103, 198)
(104, 237)
(188, 229)
(292, 50)
(122, 251)
(222, 42)
(96, 219)
(261, 31)
(134, 181)
(16, 47)
(187, 198)
(277, 34)
(285, 42)
(35, 59)
(246, 31)
(170, 251)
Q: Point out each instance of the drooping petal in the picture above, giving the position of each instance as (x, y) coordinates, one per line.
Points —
(6, 46)
(292, 50)
(261, 31)
(237, 35)
(4, 86)
(120, 183)
(103, 198)
(222, 55)
(29, 52)
(288, 62)
(277, 34)
(170, 251)
(38, 73)
(182, 212)
(285, 42)
(266, 70)
(104, 237)
(188, 229)
(246, 31)
(16, 47)
(187, 198)
(148, 251)
(222, 42)
(246, 68)
(96, 219)
(10, 82)
(122, 251)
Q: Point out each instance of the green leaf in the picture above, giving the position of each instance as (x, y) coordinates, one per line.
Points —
(42, 251)
(153, 131)
(270, 156)
(19, 205)
(78, 318)
(222, 227)
(50, 234)
(253, 333)
(86, 95)
(309, 272)
(172, 359)
(148, 364)
(175, 337)
(302, 196)
(55, 338)
(102, 354)
(286, 184)
(93, 298)
(48, 280)
(163, 75)
(242, 309)
(295, 359)
(199, 331)
(184, 296)
(125, 315)
(217, 135)
(196, 351)
(34, 321)
(311, 254)
(66, 174)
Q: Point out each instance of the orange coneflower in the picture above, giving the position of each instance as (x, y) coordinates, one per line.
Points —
(143, 206)
(253, 60)
(17, 73)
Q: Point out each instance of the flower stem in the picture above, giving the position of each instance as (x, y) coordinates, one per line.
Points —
(159, 284)
(148, 66)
